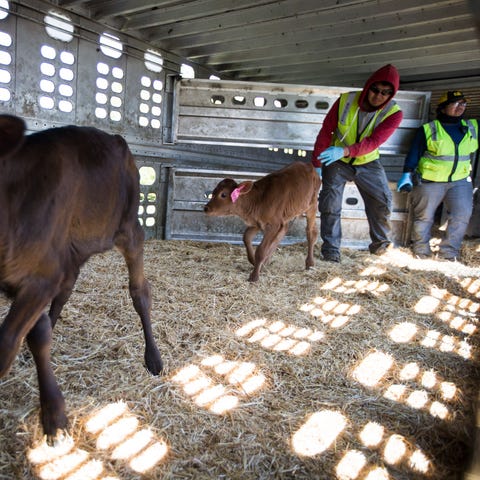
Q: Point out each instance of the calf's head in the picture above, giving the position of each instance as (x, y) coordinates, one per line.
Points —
(224, 196)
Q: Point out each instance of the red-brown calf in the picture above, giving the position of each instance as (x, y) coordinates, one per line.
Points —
(268, 205)
(65, 194)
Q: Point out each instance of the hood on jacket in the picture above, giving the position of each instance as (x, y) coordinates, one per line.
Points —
(387, 73)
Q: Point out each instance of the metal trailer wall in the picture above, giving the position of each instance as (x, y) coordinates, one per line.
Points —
(78, 72)
(70, 77)
(188, 189)
(274, 114)
(268, 115)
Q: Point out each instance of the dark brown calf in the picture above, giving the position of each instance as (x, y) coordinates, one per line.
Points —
(268, 205)
(65, 194)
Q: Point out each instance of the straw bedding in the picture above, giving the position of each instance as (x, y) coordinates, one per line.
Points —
(364, 370)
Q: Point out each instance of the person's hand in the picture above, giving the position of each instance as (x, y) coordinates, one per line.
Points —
(405, 183)
(330, 155)
(319, 171)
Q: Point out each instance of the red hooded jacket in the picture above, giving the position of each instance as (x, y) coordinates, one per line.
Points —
(384, 130)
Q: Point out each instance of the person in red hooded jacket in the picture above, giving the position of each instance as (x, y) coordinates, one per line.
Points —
(346, 149)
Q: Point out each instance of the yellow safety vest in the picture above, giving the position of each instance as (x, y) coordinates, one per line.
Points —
(347, 129)
(444, 161)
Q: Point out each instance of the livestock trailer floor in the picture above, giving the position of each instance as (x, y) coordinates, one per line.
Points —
(367, 370)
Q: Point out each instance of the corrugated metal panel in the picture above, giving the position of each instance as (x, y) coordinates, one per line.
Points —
(311, 42)
(187, 195)
(271, 114)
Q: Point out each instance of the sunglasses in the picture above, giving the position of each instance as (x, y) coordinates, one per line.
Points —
(384, 93)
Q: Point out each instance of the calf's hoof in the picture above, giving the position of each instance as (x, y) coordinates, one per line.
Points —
(153, 361)
(309, 263)
(62, 440)
(54, 422)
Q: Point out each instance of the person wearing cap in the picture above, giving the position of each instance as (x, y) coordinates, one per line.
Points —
(439, 161)
(347, 149)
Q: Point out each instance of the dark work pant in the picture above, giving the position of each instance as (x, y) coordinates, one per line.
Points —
(372, 184)
(458, 200)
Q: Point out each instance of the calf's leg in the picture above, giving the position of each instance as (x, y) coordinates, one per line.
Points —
(272, 236)
(25, 310)
(131, 247)
(62, 297)
(248, 237)
(52, 403)
(312, 233)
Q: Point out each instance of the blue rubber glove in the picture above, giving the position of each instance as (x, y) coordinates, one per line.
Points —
(319, 171)
(330, 155)
(405, 183)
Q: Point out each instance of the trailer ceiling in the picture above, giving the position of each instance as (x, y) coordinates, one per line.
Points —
(316, 42)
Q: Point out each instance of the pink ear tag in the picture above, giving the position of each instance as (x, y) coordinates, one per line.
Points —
(236, 193)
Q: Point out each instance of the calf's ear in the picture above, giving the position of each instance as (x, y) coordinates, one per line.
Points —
(12, 130)
(246, 186)
(242, 188)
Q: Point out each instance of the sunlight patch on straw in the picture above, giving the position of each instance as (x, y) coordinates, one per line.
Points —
(350, 465)
(151, 456)
(318, 433)
(63, 465)
(339, 285)
(90, 470)
(403, 332)
(377, 473)
(198, 383)
(117, 432)
(407, 332)
(280, 337)
(105, 416)
(373, 368)
(395, 449)
(372, 434)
